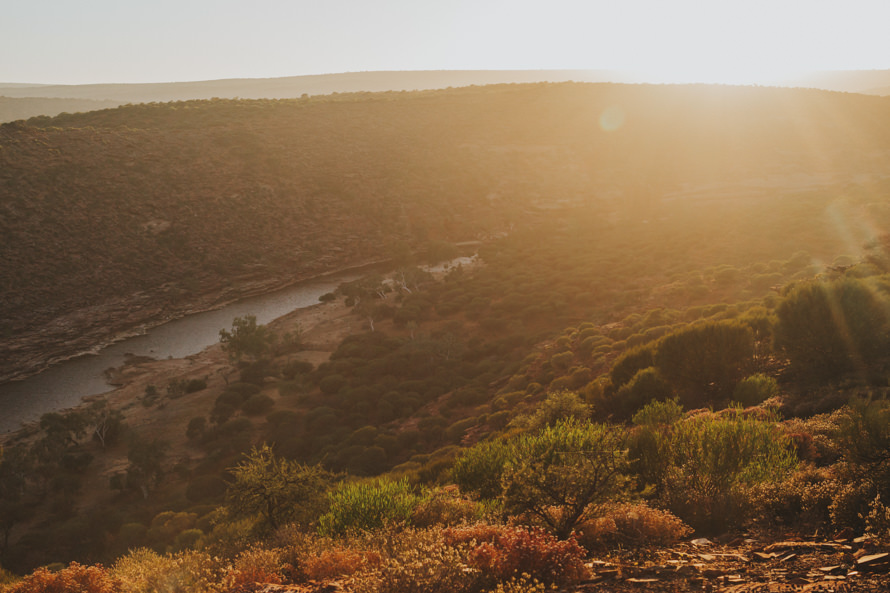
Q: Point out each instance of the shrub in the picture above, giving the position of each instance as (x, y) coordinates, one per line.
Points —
(444, 506)
(513, 551)
(275, 489)
(658, 412)
(632, 525)
(864, 432)
(523, 584)
(704, 361)
(630, 363)
(877, 522)
(479, 468)
(332, 384)
(329, 564)
(558, 474)
(710, 460)
(145, 571)
(646, 386)
(259, 403)
(195, 385)
(75, 578)
(802, 500)
(755, 389)
(420, 562)
(559, 405)
(247, 339)
(196, 427)
(830, 328)
(295, 368)
(358, 506)
(253, 569)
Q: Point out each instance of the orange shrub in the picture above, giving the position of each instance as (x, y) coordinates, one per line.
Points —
(503, 552)
(76, 578)
(252, 570)
(337, 562)
(632, 525)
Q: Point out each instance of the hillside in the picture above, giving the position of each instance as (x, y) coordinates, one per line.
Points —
(78, 96)
(675, 328)
(117, 218)
(12, 109)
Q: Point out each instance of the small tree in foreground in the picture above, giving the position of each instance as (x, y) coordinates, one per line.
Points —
(561, 473)
(276, 490)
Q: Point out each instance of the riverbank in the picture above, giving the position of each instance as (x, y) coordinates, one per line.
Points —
(323, 327)
(87, 331)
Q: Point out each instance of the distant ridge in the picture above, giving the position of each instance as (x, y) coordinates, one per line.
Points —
(14, 108)
(869, 82)
(22, 100)
(295, 86)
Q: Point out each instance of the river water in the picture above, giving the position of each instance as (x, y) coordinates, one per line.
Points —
(65, 384)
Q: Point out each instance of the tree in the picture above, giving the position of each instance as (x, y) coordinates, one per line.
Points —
(146, 464)
(107, 424)
(276, 490)
(831, 328)
(16, 500)
(246, 339)
(706, 360)
(560, 473)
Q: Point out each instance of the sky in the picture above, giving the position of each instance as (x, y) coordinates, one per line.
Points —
(731, 41)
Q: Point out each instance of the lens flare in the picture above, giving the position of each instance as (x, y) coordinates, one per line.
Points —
(612, 118)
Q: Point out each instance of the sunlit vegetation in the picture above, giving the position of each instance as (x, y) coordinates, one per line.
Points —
(628, 364)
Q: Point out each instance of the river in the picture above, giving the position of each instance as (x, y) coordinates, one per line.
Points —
(65, 384)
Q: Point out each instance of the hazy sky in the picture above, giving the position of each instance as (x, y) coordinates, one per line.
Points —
(84, 41)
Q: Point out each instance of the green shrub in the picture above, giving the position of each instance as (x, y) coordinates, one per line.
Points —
(864, 431)
(557, 476)
(802, 500)
(259, 403)
(646, 386)
(478, 469)
(630, 363)
(703, 362)
(196, 428)
(275, 489)
(247, 339)
(296, 368)
(559, 405)
(364, 506)
(831, 328)
(332, 384)
(445, 506)
(710, 460)
(755, 389)
(659, 412)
